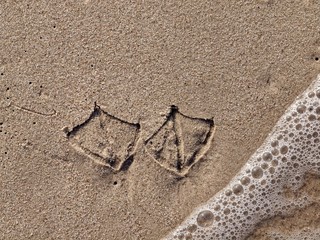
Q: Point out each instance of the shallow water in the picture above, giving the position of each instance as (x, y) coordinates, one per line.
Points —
(270, 183)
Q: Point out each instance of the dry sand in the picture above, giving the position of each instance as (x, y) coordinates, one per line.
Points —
(239, 62)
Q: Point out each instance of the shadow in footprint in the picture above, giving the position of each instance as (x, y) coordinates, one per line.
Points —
(106, 139)
(180, 142)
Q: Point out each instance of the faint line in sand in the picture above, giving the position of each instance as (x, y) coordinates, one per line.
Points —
(30, 110)
(34, 111)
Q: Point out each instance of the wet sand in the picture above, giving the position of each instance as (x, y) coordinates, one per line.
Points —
(240, 63)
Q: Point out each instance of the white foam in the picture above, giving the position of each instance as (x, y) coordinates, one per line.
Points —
(256, 193)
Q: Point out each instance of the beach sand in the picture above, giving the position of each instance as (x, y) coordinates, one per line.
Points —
(65, 66)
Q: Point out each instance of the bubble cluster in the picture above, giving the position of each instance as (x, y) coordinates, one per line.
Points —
(266, 184)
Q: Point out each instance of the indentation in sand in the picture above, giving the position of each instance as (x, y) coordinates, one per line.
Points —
(180, 142)
(106, 139)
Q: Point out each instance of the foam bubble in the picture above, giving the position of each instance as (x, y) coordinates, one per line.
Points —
(237, 189)
(284, 149)
(266, 156)
(301, 108)
(257, 172)
(205, 218)
(192, 228)
(245, 180)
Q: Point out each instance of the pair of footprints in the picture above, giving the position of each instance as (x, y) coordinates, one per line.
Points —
(111, 142)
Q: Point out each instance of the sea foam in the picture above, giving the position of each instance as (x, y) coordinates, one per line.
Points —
(260, 190)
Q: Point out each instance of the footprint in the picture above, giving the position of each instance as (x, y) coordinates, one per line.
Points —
(180, 142)
(107, 140)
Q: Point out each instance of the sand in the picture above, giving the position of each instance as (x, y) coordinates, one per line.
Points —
(238, 62)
